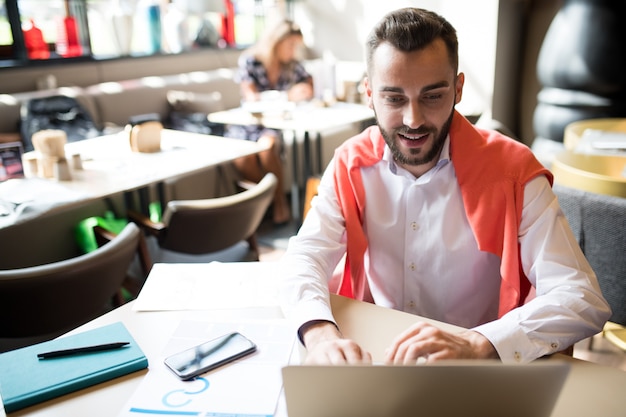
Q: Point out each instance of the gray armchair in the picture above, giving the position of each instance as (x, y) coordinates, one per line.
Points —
(41, 302)
(599, 224)
(210, 225)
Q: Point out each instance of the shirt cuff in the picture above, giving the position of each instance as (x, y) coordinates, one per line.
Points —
(510, 341)
(308, 324)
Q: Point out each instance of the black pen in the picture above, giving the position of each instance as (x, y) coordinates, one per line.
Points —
(79, 350)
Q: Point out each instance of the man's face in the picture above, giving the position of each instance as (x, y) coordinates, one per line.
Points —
(413, 95)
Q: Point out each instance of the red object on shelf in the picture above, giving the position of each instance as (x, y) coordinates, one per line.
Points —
(67, 43)
(36, 47)
(71, 31)
(228, 23)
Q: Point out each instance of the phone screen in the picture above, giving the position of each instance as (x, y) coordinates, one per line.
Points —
(210, 355)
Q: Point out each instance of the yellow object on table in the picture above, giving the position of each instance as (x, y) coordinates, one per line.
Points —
(602, 174)
(574, 131)
(585, 165)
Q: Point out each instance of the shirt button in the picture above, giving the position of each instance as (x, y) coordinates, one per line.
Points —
(414, 225)
(411, 304)
(517, 356)
(412, 266)
(554, 345)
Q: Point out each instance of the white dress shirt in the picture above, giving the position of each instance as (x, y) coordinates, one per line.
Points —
(422, 258)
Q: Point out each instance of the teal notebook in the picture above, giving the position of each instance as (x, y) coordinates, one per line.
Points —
(26, 380)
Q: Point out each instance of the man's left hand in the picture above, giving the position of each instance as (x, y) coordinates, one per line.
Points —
(424, 342)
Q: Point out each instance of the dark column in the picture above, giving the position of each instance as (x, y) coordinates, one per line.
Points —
(582, 69)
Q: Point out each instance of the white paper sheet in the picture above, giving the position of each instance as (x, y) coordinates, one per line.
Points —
(249, 387)
(209, 286)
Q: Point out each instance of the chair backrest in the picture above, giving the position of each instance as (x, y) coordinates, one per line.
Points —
(28, 242)
(209, 225)
(599, 224)
(41, 302)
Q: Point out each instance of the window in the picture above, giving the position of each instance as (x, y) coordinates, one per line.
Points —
(35, 31)
(56, 30)
(6, 37)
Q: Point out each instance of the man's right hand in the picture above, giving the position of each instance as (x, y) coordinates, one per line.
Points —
(326, 346)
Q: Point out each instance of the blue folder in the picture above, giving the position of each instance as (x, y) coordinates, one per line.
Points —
(26, 380)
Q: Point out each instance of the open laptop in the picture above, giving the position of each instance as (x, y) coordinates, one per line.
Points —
(442, 389)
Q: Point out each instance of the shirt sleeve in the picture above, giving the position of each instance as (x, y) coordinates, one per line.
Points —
(312, 257)
(568, 303)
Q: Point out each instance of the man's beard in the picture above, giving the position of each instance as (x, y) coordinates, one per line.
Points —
(416, 157)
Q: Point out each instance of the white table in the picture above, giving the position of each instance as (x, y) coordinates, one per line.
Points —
(110, 167)
(591, 389)
(310, 118)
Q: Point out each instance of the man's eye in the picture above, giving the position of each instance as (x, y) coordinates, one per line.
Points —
(394, 99)
(433, 97)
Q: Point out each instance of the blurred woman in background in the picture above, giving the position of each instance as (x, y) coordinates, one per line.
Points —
(272, 64)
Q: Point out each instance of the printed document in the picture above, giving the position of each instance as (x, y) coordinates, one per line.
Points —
(249, 387)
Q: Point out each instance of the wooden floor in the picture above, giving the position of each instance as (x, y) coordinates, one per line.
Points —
(273, 242)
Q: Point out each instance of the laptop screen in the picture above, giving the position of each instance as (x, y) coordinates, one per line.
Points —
(442, 389)
(11, 161)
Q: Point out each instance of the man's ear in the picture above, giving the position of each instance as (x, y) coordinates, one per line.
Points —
(460, 81)
(368, 92)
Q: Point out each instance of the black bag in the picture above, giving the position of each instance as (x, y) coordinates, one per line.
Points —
(193, 122)
(56, 112)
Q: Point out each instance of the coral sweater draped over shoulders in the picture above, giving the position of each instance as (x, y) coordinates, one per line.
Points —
(491, 170)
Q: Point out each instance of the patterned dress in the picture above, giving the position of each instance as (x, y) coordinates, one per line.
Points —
(253, 70)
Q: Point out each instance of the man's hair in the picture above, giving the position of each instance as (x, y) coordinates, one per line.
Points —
(411, 29)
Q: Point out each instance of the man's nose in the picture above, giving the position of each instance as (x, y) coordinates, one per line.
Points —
(413, 115)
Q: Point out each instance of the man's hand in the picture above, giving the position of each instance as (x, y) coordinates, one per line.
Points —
(423, 342)
(325, 346)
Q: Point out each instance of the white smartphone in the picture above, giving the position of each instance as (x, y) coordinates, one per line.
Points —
(209, 355)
